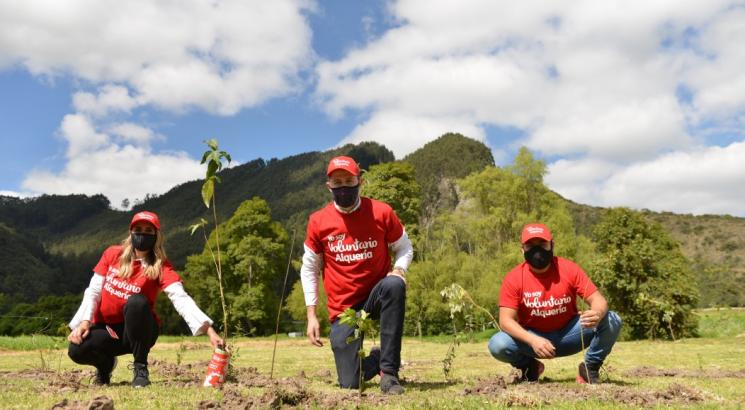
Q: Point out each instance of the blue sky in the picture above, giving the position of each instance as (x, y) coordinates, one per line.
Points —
(629, 105)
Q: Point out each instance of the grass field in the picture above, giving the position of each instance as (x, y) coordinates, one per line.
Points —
(706, 372)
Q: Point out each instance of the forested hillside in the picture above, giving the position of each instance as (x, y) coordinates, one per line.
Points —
(468, 212)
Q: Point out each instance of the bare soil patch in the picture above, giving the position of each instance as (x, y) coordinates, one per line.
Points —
(650, 371)
(537, 394)
(96, 403)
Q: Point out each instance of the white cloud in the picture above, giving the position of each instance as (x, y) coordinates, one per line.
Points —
(81, 135)
(595, 83)
(220, 56)
(119, 172)
(134, 133)
(110, 99)
(399, 133)
(707, 180)
(700, 180)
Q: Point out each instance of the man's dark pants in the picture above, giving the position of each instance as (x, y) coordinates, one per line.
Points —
(387, 303)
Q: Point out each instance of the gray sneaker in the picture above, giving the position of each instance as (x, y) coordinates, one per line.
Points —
(389, 384)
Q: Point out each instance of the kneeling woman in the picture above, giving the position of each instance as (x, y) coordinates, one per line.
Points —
(117, 315)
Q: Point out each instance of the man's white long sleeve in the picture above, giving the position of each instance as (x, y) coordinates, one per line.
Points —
(91, 298)
(197, 320)
(309, 274)
(404, 251)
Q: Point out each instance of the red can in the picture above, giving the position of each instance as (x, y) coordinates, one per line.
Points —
(217, 368)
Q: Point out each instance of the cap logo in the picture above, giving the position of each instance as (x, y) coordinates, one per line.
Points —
(341, 163)
(534, 230)
(143, 215)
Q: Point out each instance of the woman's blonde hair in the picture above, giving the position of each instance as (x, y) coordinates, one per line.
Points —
(151, 265)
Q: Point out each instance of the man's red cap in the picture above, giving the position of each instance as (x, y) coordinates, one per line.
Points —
(146, 216)
(345, 163)
(531, 231)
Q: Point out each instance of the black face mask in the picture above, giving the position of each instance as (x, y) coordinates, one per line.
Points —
(539, 258)
(345, 196)
(143, 241)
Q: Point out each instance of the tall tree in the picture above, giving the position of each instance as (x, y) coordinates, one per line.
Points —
(395, 184)
(645, 276)
(253, 262)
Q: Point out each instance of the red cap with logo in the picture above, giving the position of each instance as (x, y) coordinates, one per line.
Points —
(531, 231)
(146, 216)
(345, 163)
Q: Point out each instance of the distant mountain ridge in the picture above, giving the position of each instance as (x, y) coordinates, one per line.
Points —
(49, 244)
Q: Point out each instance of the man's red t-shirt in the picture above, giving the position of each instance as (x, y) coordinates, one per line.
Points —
(116, 290)
(354, 248)
(545, 302)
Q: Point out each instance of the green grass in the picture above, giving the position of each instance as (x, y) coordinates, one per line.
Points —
(422, 367)
(721, 322)
(29, 365)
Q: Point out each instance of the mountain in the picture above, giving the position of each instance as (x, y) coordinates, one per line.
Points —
(49, 244)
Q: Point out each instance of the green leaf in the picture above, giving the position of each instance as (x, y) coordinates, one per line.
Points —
(204, 157)
(212, 143)
(226, 155)
(211, 169)
(193, 228)
(208, 190)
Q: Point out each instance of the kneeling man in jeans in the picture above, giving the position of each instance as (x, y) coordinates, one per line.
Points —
(538, 312)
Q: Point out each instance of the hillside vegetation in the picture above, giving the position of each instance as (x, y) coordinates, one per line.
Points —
(467, 208)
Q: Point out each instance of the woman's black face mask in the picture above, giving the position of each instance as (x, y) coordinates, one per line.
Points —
(143, 241)
(345, 196)
(538, 257)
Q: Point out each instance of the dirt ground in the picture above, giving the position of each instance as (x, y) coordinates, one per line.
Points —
(294, 391)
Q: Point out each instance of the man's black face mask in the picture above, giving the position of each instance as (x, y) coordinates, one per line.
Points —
(345, 196)
(538, 257)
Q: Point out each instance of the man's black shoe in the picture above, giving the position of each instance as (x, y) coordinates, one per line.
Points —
(589, 373)
(141, 375)
(389, 384)
(532, 372)
(375, 368)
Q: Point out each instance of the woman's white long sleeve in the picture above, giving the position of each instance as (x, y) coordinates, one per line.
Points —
(404, 251)
(197, 320)
(309, 273)
(91, 298)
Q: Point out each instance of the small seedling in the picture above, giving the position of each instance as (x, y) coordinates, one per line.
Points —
(180, 352)
(214, 160)
(461, 305)
(362, 324)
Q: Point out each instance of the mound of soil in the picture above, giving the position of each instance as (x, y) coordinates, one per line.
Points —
(536, 394)
(650, 371)
(96, 403)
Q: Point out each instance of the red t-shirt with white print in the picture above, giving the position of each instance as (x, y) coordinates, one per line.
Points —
(116, 290)
(545, 302)
(354, 248)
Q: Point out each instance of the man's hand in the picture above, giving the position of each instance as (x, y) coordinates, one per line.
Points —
(397, 272)
(314, 329)
(543, 348)
(215, 340)
(589, 318)
(79, 333)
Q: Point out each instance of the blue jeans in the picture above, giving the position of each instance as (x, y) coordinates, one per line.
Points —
(598, 340)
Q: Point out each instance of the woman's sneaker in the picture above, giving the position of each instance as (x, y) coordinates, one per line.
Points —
(103, 374)
(141, 375)
(589, 373)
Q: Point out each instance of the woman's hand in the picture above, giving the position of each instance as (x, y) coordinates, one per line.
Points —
(80, 333)
(215, 340)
